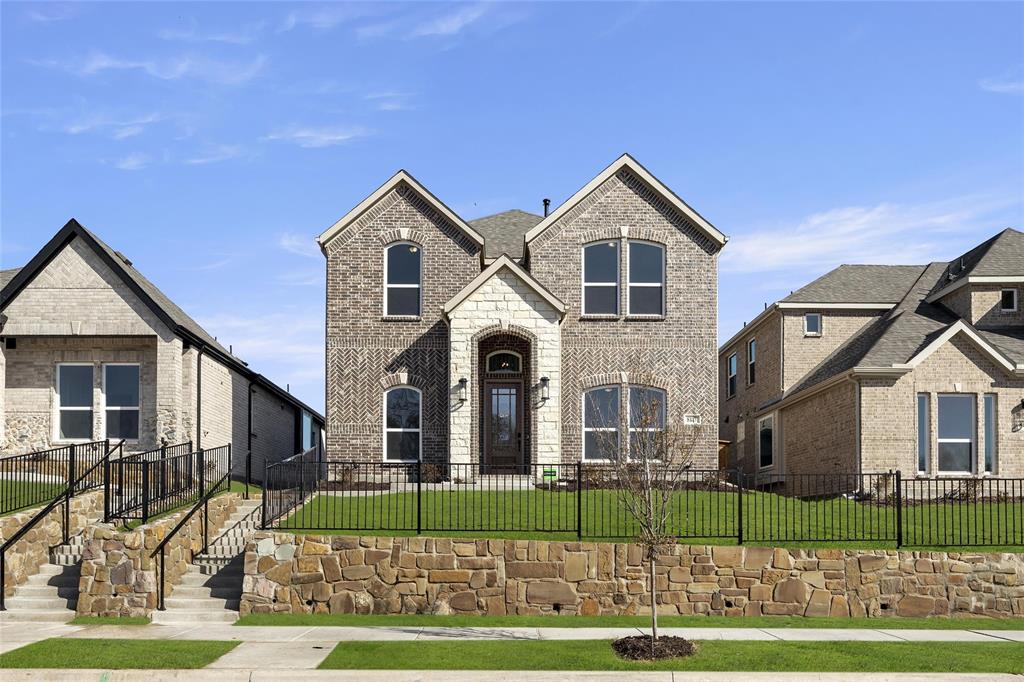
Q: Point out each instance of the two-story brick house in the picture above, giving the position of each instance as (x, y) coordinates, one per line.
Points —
(873, 367)
(512, 339)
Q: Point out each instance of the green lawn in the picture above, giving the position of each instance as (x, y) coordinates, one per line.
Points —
(418, 620)
(705, 516)
(712, 655)
(18, 495)
(116, 654)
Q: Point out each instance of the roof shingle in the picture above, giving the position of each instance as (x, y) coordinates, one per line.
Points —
(505, 232)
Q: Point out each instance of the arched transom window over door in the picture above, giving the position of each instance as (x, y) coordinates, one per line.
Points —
(504, 362)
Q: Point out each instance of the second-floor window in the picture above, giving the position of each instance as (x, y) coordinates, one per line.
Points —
(402, 280)
(751, 361)
(601, 278)
(646, 293)
(1008, 301)
(730, 371)
(812, 324)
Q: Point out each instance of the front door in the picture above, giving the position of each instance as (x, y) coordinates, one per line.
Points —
(503, 427)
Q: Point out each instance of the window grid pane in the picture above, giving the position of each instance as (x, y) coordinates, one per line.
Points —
(601, 423)
(75, 385)
(956, 433)
(121, 385)
(923, 432)
(402, 414)
(990, 433)
(766, 442)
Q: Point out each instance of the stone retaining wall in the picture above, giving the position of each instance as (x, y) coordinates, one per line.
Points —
(120, 578)
(33, 550)
(315, 574)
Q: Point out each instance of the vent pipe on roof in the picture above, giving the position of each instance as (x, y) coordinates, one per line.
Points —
(547, 205)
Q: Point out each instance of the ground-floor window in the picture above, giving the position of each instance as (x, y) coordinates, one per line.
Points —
(766, 441)
(991, 436)
(924, 432)
(74, 402)
(601, 423)
(956, 433)
(121, 401)
(647, 417)
(402, 435)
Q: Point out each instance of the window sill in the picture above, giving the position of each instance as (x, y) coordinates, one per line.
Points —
(812, 336)
(401, 318)
(600, 317)
(645, 318)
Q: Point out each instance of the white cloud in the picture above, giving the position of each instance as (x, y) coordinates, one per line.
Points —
(216, 154)
(244, 35)
(390, 100)
(303, 278)
(50, 12)
(1010, 83)
(132, 162)
(885, 233)
(315, 137)
(452, 23)
(176, 68)
(119, 128)
(326, 17)
(300, 245)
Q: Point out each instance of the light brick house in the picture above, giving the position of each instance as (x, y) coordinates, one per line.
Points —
(486, 341)
(872, 367)
(91, 349)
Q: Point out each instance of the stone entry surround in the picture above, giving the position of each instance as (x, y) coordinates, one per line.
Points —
(285, 573)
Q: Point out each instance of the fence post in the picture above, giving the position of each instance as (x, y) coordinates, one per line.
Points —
(579, 500)
(72, 469)
(739, 507)
(163, 468)
(145, 491)
(419, 498)
(160, 603)
(248, 471)
(266, 494)
(899, 509)
(106, 488)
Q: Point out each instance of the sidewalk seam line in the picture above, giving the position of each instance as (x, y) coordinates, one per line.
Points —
(989, 634)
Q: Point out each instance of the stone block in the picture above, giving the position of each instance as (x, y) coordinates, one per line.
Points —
(575, 566)
(792, 591)
(544, 592)
(531, 569)
(448, 576)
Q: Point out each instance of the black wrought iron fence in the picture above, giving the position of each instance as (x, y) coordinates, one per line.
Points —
(306, 493)
(145, 485)
(35, 478)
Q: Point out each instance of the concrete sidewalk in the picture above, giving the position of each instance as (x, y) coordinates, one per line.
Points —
(252, 675)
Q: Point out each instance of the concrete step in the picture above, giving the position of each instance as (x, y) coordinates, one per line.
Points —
(49, 602)
(200, 604)
(50, 569)
(65, 592)
(58, 581)
(66, 560)
(37, 616)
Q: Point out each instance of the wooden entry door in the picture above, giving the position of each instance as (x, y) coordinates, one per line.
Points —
(503, 427)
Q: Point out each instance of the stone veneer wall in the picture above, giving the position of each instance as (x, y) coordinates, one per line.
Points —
(33, 550)
(303, 574)
(120, 578)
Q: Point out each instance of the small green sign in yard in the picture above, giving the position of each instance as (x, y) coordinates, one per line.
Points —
(550, 474)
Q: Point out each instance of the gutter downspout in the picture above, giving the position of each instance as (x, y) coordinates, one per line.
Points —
(199, 399)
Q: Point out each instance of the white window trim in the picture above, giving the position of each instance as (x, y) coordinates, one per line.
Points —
(57, 409)
(487, 362)
(731, 373)
(630, 430)
(751, 360)
(596, 429)
(928, 427)
(387, 286)
(995, 433)
(386, 429)
(103, 399)
(583, 277)
(973, 441)
(662, 284)
(1016, 301)
(821, 324)
(775, 440)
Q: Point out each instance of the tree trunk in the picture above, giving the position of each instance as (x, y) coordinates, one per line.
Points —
(654, 605)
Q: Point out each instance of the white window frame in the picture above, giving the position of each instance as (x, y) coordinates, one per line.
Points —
(57, 408)
(583, 277)
(418, 286)
(751, 361)
(775, 440)
(593, 429)
(973, 440)
(386, 429)
(103, 401)
(630, 430)
(821, 324)
(991, 432)
(487, 362)
(630, 283)
(731, 371)
(1016, 301)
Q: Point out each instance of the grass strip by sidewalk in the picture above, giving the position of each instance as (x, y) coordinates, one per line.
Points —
(116, 654)
(711, 656)
(350, 620)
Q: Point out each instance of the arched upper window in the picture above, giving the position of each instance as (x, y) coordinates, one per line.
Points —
(601, 278)
(601, 423)
(402, 279)
(402, 419)
(504, 361)
(646, 284)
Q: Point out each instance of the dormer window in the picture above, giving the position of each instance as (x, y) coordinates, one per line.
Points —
(402, 280)
(812, 324)
(1008, 301)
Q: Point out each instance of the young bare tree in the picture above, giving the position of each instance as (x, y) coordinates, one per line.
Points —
(650, 456)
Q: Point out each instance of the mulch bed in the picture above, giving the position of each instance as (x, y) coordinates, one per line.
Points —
(638, 648)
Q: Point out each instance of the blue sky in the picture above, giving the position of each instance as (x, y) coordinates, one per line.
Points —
(212, 142)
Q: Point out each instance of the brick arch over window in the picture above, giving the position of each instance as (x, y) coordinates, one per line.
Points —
(633, 378)
(403, 379)
(403, 234)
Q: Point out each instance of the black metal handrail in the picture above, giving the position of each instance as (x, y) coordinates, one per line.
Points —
(65, 497)
(163, 452)
(33, 478)
(201, 503)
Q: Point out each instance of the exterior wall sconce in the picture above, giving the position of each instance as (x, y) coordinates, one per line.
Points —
(545, 390)
(462, 389)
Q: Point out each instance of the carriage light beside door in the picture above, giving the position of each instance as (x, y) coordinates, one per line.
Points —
(462, 389)
(545, 391)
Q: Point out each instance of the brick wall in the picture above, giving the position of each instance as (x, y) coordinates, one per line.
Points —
(980, 305)
(819, 435)
(804, 353)
(677, 351)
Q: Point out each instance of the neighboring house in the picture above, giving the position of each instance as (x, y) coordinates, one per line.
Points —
(872, 367)
(91, 349)
(510, 340)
